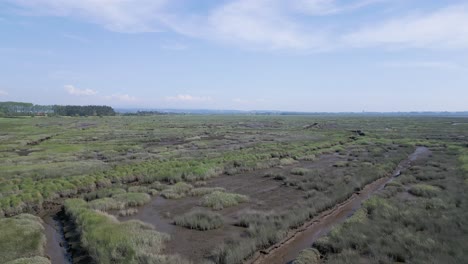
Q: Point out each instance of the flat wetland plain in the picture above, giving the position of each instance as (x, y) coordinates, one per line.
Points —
(234, 189)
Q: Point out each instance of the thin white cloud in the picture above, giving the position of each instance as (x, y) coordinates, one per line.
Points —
(327, 7)
(269, 24)
(3, 93)
(256, 22)
(115, 15)
(443, 28)
(72, 90)
(187, 98)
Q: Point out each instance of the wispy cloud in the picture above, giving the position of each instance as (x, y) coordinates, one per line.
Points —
(271, 24)
(115, 15)
(258, 22)
(187, 98)
(3, 93)
(72, 90)
(443, 28)
(327, 7)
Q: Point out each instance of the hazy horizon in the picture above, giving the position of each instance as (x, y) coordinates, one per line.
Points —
(298, 55)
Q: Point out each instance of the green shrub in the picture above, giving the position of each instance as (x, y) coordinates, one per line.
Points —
(177, 191)
(106, 204)
(424, 190)
(158, 186)
(109, 241)
(234, 251)
(143, 189)
(205, 190)
(219, 200)
(308, 256)
(200, 220)
(265, 235)
(299, 171)
(21, 236)
(138, 189)
(128, 211)
(102, 193)
(287, 161)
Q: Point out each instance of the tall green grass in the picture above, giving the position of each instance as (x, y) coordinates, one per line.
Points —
(218, 200)
(109, 241)
(21, 236)
(200, 220)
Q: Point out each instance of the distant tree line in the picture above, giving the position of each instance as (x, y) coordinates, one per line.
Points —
(87, 110)
(25, 109)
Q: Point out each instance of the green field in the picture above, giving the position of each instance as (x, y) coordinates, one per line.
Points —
(147, 189)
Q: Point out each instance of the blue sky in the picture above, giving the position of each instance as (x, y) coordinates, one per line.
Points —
(299, 55)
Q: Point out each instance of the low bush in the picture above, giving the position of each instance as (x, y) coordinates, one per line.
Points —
(423, 190)
(143, 189)
(218, 200)
(205, 190)
(234, 251)
(109, 241)
(127, 212)
(21, 236)
(308, 256)
(287, 161)
(265, 235)
(299, 171)
(106, 204)
(200, 220)
(177, 191)
(102, 193)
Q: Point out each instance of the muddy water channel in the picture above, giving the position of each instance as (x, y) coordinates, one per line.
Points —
(56, 244)
(289, 249)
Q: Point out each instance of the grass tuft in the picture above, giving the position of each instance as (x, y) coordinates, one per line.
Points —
(308, 256)
(218, 200)
(200, 220)
(424, 190)
(177, 191)
(21, 236)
